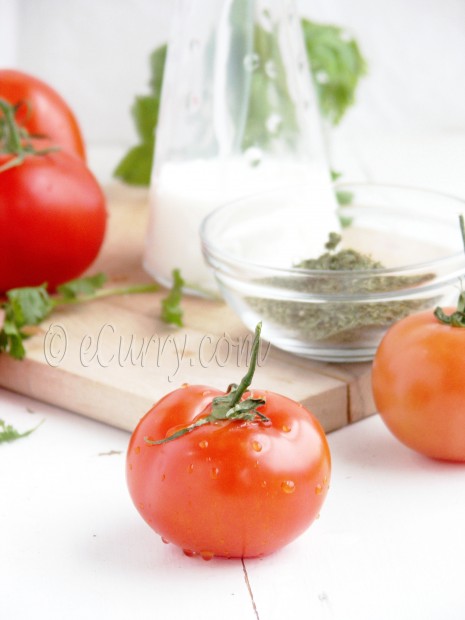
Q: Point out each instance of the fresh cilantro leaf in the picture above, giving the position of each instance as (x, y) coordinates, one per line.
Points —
(344, 198)
(28, 305)
(136, 166)
(24, 306)
(82, 286)
(337, 65)
(11, 340)
(157, 67)
(9, 433)
(171, 311)
(145, 114)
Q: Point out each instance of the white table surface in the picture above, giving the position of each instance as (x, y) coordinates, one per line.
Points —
(389, 544)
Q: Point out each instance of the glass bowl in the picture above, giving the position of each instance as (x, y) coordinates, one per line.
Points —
(254, 244)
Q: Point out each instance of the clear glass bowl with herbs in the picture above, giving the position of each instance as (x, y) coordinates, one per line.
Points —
(392, 251)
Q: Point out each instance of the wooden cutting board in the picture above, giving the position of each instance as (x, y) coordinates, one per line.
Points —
(112, 359)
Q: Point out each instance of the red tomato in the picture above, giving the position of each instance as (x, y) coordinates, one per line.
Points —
(52, 218)
(419, 387)
(228, 488)
(44, 113)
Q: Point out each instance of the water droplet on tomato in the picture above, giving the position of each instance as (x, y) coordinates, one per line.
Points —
(214, 472)
(189, 553)
(203, 444)
(288, 486)
(137, 450)
(318, 489)
(263, 485)
(163, 476)
(165, 541)
(257, 446)
(286, 428)
(207, 555)
(190, 469)
(141, 505)
(206, 393)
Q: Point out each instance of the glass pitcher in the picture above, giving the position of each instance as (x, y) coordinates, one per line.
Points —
(238, 115)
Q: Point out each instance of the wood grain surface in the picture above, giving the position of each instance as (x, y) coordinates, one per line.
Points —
(112, 359)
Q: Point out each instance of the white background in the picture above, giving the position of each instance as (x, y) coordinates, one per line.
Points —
(96, 54)
(389, 544)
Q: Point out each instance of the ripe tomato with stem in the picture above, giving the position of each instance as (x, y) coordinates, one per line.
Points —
(52, 210)
(418, 380)
(42, 111)
(239, 473)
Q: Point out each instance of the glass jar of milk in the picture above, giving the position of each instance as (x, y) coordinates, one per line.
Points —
(238, 115)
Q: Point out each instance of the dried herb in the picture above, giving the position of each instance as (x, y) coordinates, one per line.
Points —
(342, 320)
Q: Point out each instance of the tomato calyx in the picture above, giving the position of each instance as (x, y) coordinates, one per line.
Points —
(456, 318)
(15, 140)
(229, 407)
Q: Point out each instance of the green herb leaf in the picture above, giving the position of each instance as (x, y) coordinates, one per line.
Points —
(11, 340)
(337, 65)
(145, 114)
(82, 286)
(9, 433)
(136, 166)
(29, 306)
(24, 306)
(157, 67)
(171, 311)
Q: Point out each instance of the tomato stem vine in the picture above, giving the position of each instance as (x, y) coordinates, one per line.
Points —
(14, 140)
(230, 406)
(457, 318)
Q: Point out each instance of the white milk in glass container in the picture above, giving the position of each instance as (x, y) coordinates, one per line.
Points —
(238, 115)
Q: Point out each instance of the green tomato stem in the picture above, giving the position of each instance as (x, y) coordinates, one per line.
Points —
(457, 318)
(229, 407)
(59, 300)
(15, 140)
(247, 379)
(10, 134)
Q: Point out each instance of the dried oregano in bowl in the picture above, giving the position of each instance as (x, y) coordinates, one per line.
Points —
(396, 251)
(340, 320)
